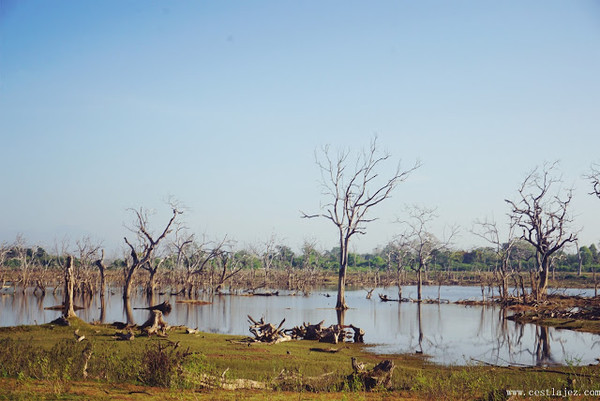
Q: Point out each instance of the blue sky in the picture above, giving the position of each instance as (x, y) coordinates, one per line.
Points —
(110, 105)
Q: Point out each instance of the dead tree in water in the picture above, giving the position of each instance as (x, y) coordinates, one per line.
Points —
(87, 250)
(102, 269)
(148, 245)
(200, 259)
(543, 217)
(421, 243)
(69, 309)
(488, 230)
(353, 189)
(230, 265)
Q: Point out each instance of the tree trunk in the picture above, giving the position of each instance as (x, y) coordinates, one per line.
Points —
(69, 310)
(543, 281)
(101, 268)
(128, 280)
(151, 283)
(341, 296)
(419, 285)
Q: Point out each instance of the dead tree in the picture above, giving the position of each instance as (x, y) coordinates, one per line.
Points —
(26, 258)
(152, 267)
(102, 269)
(201, 257)
(421, 242)
(543, 217)
(148, 244)
(352, 189)
(594, 177)
(488, 230)
(230, 265)
(87, 250)
(268, 257)
(69, 309)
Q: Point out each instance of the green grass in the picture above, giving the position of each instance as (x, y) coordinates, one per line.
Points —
(47, 361)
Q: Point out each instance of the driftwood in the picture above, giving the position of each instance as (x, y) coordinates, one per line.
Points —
(359, 334)
(333, 334)
(378, 377)
(327, 350)
(164, 307)
(128, 336)
(191, 331)
(307, 331)
(78, 337)
(266, 332)
(266, 294)
(385, 298)
(155, 324)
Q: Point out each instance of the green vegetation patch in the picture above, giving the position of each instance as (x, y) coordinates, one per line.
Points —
(50, 360)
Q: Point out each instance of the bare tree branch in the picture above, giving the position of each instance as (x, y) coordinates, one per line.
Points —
(543, 217)
(352, 193)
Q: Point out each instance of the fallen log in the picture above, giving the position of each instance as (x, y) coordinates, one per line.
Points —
(128, 336)
(385, 298)
(164, 307)
(191, 331)
(266, 294)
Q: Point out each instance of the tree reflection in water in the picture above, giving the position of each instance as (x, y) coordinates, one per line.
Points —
(447, 333)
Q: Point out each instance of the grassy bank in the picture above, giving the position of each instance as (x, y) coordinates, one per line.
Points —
(49, 362)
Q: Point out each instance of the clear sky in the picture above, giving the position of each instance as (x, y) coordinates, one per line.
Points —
(109, 105)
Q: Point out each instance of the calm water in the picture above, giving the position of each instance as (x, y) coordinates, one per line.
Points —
(448, 333)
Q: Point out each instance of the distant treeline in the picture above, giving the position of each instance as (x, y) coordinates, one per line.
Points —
(389, 258)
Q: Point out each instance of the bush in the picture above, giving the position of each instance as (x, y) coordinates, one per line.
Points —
(162, 365)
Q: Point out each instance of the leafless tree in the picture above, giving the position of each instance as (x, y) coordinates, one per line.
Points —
(229, 264)
(398, 254)
(4, 250)
(268, 256)
(87, 251)
(102, 269)
(148, 243)
(194, 257)
(353, 188)
(594, 177)
(488, 230)
(421, 243)
(26, 258)
(541, 211)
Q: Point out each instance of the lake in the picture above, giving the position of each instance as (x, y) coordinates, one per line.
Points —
(447, 333)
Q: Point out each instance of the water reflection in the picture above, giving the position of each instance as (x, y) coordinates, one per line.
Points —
(448, 333)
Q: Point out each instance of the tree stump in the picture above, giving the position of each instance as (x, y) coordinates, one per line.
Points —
(155, 324)
(359, 334)
(380, 376)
